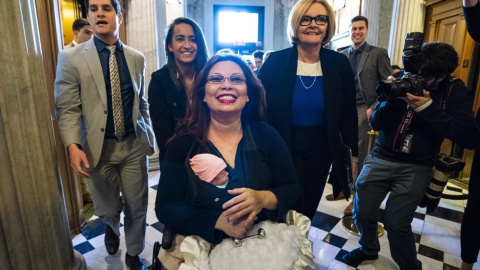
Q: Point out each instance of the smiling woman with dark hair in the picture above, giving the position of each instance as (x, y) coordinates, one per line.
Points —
(170, 86)
(226, 118)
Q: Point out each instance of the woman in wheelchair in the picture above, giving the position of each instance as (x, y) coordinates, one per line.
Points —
(227, 119)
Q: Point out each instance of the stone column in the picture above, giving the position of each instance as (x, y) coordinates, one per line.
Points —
(34, 231)
(408, 16)
(141, 35)
(384, 23)
(282, 10)
(160, 25)
(371, 10)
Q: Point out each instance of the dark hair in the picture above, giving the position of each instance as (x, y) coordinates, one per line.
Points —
(396, 67)
(78, 24)
(438, 59)
(115, 5)
(202, 50)
(197, 119)
(258, 54)
(360, 18)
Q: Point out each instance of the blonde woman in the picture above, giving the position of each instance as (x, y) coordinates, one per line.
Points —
(311, 101)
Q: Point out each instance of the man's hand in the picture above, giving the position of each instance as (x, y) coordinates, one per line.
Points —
(77, 158)
(369, 113)
(416, 101)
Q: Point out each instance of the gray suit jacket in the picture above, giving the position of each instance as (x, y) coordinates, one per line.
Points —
(70, 45)
(374, 66)
(81, 99)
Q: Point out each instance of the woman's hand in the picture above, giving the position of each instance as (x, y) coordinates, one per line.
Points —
(236, 229)
(248, 202)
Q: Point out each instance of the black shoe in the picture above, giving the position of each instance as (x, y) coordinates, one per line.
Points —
(134, 262)
(356, 257)
(112, 241)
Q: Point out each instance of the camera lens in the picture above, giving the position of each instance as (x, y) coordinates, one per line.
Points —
(389, 90)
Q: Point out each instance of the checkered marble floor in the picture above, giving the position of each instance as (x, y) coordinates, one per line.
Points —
(437, 236)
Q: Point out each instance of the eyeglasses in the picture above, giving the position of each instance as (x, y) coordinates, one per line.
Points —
(319, 20)
(234, 79)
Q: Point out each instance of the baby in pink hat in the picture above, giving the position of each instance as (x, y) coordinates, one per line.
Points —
(210, 168)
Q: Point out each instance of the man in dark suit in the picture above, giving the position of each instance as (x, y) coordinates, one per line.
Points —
(104, 123)
(82, 31)
(370, 64)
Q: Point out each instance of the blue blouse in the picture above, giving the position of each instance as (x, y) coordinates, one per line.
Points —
(308, 105)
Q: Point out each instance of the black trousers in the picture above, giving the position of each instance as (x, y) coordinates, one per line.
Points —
(312, 159)
(470, 235)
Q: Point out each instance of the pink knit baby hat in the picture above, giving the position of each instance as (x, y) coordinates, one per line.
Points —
(207, 166)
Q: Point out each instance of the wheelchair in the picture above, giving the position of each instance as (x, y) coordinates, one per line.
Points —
(167, 240)
(267, 231)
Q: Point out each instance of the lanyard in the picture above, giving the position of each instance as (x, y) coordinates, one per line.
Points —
(402, 129)
(398, 143)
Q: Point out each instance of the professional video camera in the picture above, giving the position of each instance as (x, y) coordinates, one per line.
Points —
(444, 167)
(411, 82)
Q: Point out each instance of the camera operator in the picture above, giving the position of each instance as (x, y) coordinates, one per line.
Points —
(411, 130)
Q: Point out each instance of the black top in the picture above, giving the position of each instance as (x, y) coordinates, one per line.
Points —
(182, 201)
(472, 18)
(126, 86)
(167, 106)
(429, 127)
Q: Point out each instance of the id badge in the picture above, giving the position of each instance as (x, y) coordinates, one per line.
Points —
(407, 143)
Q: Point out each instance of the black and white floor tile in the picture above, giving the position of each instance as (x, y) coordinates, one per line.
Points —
(437, 236)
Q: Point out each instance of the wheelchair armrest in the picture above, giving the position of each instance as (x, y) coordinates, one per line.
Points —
(168, 237)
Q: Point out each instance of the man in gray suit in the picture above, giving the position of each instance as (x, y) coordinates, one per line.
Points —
(370, 64)
(104, 123)
(82, 31)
